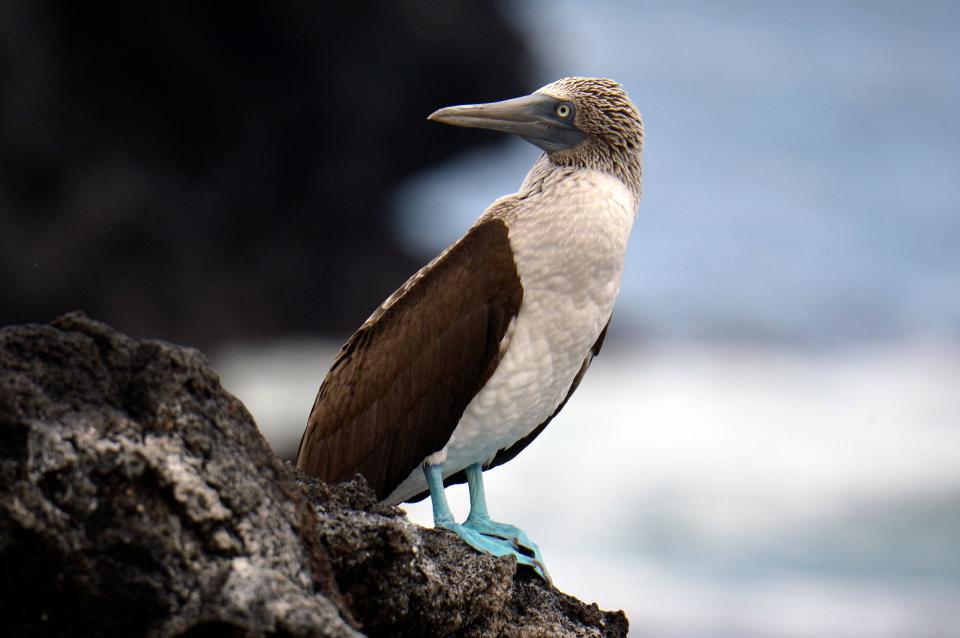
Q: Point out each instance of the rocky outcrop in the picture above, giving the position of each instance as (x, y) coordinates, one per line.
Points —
(138, 498)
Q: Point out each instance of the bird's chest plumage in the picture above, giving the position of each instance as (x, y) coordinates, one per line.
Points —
(569, 241)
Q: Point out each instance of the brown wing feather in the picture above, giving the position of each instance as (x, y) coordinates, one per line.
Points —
(400, 384)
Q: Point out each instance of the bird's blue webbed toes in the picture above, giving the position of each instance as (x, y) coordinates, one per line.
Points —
(488, 543)
(492, 545)
(509, 533)
(479, 521)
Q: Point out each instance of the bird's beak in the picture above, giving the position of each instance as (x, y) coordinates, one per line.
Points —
(532, 117)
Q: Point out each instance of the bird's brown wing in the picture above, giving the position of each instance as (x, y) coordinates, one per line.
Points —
(401, 383)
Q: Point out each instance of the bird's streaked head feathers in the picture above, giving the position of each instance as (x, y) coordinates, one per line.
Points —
(612, 126)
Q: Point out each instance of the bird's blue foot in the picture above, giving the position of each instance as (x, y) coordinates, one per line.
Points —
(514, 535)
(479, 520)
(494, 544)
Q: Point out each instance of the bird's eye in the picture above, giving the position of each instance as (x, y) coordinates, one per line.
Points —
(563, 110)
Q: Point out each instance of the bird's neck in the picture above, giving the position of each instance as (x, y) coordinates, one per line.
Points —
(544, 173)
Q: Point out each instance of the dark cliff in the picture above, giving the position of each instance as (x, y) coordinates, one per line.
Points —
(137, 497)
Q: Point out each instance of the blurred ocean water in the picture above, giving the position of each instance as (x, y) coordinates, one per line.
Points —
(769, 445)
(802, 164)
(718, 490)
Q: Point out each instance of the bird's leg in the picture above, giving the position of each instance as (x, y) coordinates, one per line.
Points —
(438, 498)
(442, 518)
(479, 520)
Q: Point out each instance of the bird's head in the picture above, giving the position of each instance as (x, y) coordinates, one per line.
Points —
(584, 122)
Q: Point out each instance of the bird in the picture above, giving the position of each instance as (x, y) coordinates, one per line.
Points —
(468, 361)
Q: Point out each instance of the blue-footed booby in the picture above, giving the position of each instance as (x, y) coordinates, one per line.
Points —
(469, 360)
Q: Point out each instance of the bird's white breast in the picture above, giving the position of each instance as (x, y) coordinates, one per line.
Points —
(569, 237)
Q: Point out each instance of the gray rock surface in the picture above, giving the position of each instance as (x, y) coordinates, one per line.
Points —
(138, 498)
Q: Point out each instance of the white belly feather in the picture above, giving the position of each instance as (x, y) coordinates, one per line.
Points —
(569, 242)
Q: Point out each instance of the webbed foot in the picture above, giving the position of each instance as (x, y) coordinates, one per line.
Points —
(495, 545)
(512, 535)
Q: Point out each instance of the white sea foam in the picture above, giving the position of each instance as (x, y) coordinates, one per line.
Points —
(719, 490)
